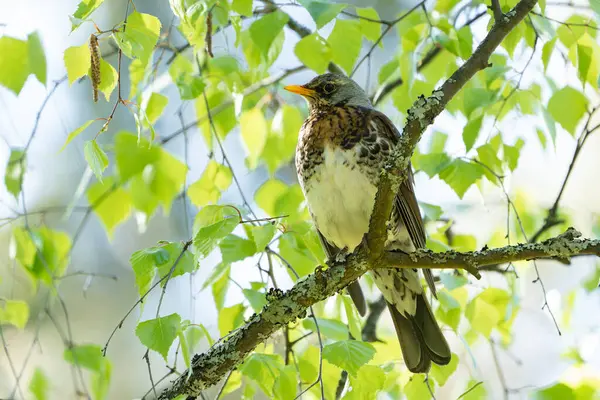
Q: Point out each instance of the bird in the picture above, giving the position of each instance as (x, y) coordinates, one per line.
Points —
(342, 147)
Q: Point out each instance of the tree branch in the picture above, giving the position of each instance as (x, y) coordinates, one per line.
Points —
(282, 308)
(285, 307)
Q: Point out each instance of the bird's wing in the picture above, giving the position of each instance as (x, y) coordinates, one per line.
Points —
(406, 202)
(354, 289)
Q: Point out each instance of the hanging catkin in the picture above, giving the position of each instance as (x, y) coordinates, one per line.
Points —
(95, 65)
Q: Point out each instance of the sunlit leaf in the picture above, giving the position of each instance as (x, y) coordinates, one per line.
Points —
(108, 79)
(314, 52)
(349, 355)
(15, 171)
(254, 131)
(112, 203)
(345, 41)
(215, 179)
(567, 107)
(264, 30)
(158, 334)
(230, 318)
(212, 224)
(84, 9)
(96, 158)
(139, 36)
(39, 385)
(77, 61)
(14, 312)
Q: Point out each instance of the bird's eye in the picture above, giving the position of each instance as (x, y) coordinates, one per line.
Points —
(328, 88)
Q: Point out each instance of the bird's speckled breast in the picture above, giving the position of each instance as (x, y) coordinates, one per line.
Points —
(339, 157)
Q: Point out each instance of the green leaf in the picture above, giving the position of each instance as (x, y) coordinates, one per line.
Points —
(416, 388)
(242, 7)
(158, 334)
(215, 179)
(262, 235)
(256, 299)
(112, 203)
(368, 381)
(349, 355)
(137, 73)
(569, 99)
(88, 356)
(354, 323)
(14, 63)
(96, 158)
(37, 58)
(314, 52)
(475, 98)
(84, 9)
(512, 153)
(474, 391)
(155, 106)
(442, 373)
(220, 284)
(43, 253)
(211, 225)
(253, 127)
(38, 385)
(140, 36)
(108, 79)
(264, 30)
(76, 133)
(557, 391)
(234, 248)
(77, 61)
(452, 281)
(285, 386)
(189, 84)
(330, 328)
(371, 30)
(460, 175)
(547, 51)
(345, 42)
(322, 12)
(431, 211)
(230, 318)
(14, 312)
(15, 171)
(263, 369)
(487, 310)
(471, 131)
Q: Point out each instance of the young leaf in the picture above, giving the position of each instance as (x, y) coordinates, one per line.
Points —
(285, 386)
(567, 106)
(442, 373)
(112, 203)
(88, 356)
(242, 7)
(37, 58)
(460, 175)
(314, 52)
(254, 131)
(352, 317)
(77, 62)
(368, 381)
(38, 385)
(234, 248)
(96, 158)
(345, 41)
(158, 334)
(321, 11)
(262, 368)
(108, 79)
(76, 133)
(264, 30)
(140, 36)
(15, 171)
(262, 235)
(14, 65)
(371, 30)
(329, 328)
(471, 131)
(155, 106)
(256, 299)
(230, 318)
(215, 179)
(349, 355)
(14, 312)
(212, 224)
(84, 10)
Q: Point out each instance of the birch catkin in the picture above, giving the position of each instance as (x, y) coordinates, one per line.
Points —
(95, 65)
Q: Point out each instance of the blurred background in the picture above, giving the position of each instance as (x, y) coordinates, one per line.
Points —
(99, 288)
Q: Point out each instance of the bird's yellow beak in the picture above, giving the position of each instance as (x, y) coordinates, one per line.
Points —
(301, 90)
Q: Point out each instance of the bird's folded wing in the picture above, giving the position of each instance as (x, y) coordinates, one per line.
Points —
(406, 201)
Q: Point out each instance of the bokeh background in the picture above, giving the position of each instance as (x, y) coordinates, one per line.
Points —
(96, 304)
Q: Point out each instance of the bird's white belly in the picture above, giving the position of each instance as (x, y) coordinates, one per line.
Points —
(340, 198)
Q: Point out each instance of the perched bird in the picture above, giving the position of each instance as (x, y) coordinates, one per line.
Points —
(342, 147)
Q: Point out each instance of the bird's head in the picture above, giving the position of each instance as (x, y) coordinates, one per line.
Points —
(329, 90)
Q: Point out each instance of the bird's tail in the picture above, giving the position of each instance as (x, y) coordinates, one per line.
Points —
(420, 337)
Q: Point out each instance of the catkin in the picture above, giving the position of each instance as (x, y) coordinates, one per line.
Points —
(208, 36)
(95, 65)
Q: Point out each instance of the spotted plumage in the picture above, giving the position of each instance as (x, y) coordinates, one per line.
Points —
(342, 147)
